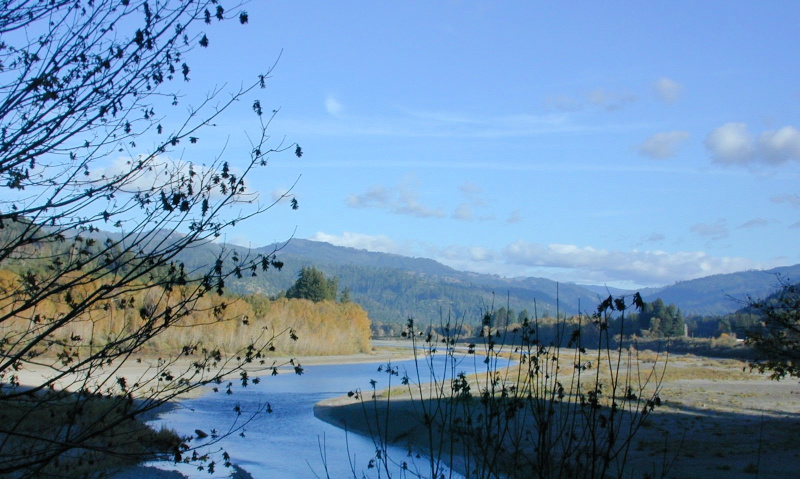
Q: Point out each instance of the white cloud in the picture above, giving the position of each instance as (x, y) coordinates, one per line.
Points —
(145, 178)
(378, 243)
(667, 90)
(663, 145)
(564, 262)
(333, 106)
(237, 240)
(780, 146)
(280, 195)
(589, 264)
(156, 173)
(731, 143)
(466, 254)
(715, 231)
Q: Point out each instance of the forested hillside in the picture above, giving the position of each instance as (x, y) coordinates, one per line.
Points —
(722, 293)
(392, 288)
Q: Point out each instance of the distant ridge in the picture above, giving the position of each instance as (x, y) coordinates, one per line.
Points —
(723, 293)
(393, 287)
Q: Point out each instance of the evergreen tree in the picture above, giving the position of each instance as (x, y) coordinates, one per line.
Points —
(658, 319)
(345, 297)
(312, 284)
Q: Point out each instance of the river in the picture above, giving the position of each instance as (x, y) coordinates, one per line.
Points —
(290, 442)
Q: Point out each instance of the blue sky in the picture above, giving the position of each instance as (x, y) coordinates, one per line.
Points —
(622, 143)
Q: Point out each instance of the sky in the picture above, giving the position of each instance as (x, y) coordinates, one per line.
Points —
(629, 144)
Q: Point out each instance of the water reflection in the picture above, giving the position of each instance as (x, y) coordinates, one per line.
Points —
(288, 442)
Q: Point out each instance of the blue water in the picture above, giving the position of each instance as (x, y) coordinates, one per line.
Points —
(287, 443)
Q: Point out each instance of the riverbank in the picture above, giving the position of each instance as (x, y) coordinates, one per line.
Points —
(397, 420)
(146, 369)
(716, 420)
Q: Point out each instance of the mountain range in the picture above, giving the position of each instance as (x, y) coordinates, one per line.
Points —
(393, 288)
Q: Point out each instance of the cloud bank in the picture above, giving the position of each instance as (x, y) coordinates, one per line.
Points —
(565, 262)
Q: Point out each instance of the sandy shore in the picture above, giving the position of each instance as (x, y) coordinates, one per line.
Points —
(146, 370)
(716, 421)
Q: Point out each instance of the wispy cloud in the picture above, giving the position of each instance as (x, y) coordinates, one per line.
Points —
(610, 100)
(756, 223)
(473, 199)
(375, 197)
(406, 123)
(601, 98)
(463, 212)
(653, 238)
(280, 194)
(667, 90)
(402, 199)
(333, 106)
(663, 145)
(514, 217)
(793, 200)
(714, 231)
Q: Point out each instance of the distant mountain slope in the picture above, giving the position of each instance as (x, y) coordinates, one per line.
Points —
(722, 293)
(393, 288)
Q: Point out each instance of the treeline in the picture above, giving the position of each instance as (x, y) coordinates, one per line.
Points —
(737, 324)
(655, 320)
(214, 322)
(391, 295)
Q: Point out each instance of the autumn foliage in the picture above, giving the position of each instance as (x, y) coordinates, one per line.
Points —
(294, 326)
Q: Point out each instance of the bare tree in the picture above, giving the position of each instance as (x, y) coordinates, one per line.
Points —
(85, 236)
(569, 406)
